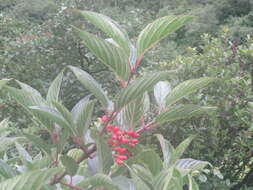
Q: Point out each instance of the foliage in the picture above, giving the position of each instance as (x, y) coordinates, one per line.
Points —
(52, 163)
(225, 140)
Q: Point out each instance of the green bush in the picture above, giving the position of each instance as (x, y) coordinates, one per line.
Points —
(75, 153)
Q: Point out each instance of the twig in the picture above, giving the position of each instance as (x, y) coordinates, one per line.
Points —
(58, 178)
(71, 186)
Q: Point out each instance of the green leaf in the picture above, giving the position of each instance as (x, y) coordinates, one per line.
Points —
(192, 183)
(144, 174)
(178, 112)
(187, 87)
(138, 87)
(28, 88)
(161, 90)
(113, 57)
(29, 180)
(52, 115)
(124, 183)
(92, 85)
(39, 143)
(70, 164)
(54, 89)
(138, 181)
(82, 115)
(3, 82)
(6, 171)
(104, 154)
(159, 29)
(163, 178)
(99, 180)
(187, 165)
(27, 98)
(64, 112)
(108, 26)
(167, 150)
(25, 156)
(181, 149)
(132, 113)
(152, 161)
(168, 178)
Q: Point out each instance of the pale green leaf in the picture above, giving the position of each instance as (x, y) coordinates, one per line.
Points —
(27, 99)
(53, 115)
(83, 111)
(138, 87)
(163, 177)
(187, 87)
(140, 184)
(183, 111)
(167, 149)
(70, 164)
(192, 183)
(39, 143)
(159, 29)
(104, 154)
(180, 149)
(151, 160)
(132, 113)
(124, 183)
(108, 26)
(3, 82)
(161, 90)
(113, 57)
(144, 174)
(29, 180)
(54, 89)
(64, 112)
(92, 85)
(191, 164)
(6, 171)
(25, 156)
(99, 180)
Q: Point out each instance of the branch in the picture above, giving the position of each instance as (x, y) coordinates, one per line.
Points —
(58, 178)
(71, 186)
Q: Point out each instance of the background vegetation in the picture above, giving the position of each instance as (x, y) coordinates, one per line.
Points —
(37, 42)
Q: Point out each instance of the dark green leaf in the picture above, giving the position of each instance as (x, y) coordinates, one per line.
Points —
(113, 57)
(54, 89)
(159, 29)
(138, 87)
(186, 111)
(109, 26)
(29, 180)
(92, 85)
(187, 87)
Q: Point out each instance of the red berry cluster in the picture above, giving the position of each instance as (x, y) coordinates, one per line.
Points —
(120, 141)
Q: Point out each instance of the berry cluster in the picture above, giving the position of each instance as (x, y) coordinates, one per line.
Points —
(120, 141)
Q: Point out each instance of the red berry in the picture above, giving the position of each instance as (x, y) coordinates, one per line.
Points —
(110, 127)
(122, 157)
(111, 142)
(105, 118)
(120, 150)
(134, 140)
(115, 129)
(114, 136)
(120, 162)
(124, 140)
(132, 144)
(136, 135)
(130, 133)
